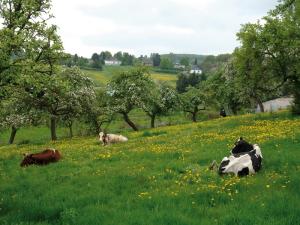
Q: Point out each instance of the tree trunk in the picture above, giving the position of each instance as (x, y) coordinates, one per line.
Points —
(129, 122)
(234, 110)
(53, 128)
(260, 105)
(296, 95)
(12, 135)
(71, 129)
(96, 126)
(152, 121)
(194, 116)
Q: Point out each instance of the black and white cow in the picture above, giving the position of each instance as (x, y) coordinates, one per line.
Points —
(245, 159)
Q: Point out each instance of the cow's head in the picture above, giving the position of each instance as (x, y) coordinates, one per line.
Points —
(257, 150)
(28, 160)
(102, 135)
(223, 165)
(241, 146)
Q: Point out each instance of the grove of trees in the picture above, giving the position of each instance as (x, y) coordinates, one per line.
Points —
(40, 84)
(266, 64)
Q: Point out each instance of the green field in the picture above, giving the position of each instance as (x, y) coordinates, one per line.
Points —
(41, 134)
(159, 176)
(103, 77)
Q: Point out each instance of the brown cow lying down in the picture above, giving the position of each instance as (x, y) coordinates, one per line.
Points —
(43, 158)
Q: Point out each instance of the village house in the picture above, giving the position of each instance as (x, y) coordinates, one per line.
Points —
(276, 104)
(112, 62)
(179, 66)
(196, 70)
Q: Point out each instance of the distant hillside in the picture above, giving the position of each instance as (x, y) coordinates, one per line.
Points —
(175, 58)
(211, 63)
(101, 78)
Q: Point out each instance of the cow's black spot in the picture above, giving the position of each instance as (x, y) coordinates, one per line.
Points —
(256, 161)
(243, 172)
(241, 147)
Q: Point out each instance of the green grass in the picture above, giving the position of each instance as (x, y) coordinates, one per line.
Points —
(99, 78)
(103, 77)
(163, 77)
(41, 134)
(159, 176)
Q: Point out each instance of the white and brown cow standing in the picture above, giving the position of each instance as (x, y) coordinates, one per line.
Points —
(245, 159)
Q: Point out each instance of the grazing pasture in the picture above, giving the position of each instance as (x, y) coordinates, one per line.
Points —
(41, 133)
(101, 78)
(160, 176)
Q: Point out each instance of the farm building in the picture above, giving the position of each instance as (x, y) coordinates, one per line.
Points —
(179, 66)
(112, 62)
(196, 70)
(276, 104)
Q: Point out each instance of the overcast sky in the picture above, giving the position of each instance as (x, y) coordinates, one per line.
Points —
(145, 26)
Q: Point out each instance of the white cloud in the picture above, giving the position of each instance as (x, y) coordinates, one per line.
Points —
(145, 26)
(174, 30)
(200, 4)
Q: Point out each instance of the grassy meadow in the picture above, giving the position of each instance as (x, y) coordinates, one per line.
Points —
(160, 176)
(103, 77)
(41, 134)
